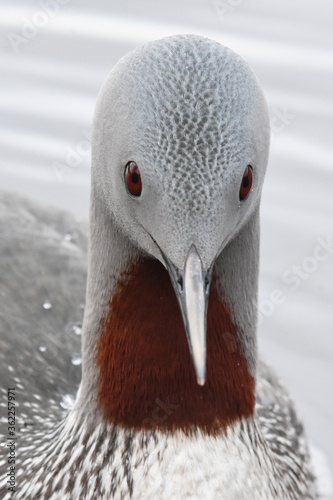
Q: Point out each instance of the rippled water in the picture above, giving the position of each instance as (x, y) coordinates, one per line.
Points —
(50, 82)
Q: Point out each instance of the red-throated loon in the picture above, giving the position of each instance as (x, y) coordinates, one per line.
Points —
(174, 402)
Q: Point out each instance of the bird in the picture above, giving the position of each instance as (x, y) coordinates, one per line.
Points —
(174, 401)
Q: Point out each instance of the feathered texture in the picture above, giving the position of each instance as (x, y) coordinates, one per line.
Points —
(192, 115)
(64, 454)
(146, 374)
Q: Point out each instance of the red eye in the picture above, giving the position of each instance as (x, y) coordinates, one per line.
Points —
(133, 178)
(246, 183)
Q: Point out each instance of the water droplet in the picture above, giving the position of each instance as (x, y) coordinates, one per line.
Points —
(77, 329)
(76, 359)
(68, 237)
(47, 304)
(42, 348)
(67, 402)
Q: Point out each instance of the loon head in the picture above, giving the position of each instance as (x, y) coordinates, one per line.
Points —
(180, 148)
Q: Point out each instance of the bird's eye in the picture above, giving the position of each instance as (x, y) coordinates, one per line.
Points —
(133, 178)
(246, 183)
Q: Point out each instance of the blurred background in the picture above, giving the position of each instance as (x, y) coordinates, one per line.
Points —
(54, 56)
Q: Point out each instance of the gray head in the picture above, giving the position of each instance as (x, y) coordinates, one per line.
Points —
(191, 114)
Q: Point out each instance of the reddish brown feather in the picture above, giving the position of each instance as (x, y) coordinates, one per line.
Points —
(147, 377)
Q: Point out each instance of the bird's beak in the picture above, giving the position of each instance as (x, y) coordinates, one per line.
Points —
(191, 285)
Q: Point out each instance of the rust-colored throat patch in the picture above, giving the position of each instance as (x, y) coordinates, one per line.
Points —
(147, 379)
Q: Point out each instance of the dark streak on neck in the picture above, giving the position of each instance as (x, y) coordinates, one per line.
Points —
(147, 378)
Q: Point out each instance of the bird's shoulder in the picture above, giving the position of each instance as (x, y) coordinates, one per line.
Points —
(283, 432)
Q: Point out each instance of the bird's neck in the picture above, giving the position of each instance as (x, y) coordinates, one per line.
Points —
(146, 376)
(137, 369)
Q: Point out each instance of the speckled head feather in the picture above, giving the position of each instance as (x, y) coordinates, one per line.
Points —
(191, 113)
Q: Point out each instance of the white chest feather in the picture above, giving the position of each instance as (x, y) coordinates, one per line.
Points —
(104, 462)
(204, 467)
(160, 466)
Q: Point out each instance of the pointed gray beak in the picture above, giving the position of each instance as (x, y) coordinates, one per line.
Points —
(191, 285)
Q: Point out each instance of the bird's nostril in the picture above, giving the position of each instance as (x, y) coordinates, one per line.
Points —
(180, 282)
(207, 283)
